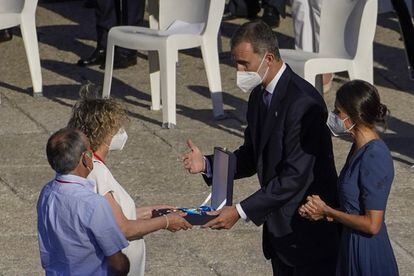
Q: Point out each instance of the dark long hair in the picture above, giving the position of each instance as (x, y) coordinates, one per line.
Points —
(361, 101)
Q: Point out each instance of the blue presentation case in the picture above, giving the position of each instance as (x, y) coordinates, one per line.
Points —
(224, 167)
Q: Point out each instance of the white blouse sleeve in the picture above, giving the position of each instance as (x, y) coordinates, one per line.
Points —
(102, 177)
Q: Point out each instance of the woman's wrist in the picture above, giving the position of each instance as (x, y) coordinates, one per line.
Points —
(327, 211)
(167, 223)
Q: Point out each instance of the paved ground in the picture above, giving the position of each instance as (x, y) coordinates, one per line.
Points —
(149, 166)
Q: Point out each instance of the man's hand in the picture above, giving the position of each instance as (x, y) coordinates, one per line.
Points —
(118, 264)
(193, 161)
(228, 216)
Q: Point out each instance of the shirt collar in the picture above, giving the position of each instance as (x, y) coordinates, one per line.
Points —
(70, 179)
(272, 85)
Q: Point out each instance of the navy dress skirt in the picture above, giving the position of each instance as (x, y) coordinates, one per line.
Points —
(364, 184)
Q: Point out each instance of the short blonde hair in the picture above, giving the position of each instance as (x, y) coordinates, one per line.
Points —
(96, 117)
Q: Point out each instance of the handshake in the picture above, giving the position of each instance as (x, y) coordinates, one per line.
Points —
(184, 218)
(174, 221)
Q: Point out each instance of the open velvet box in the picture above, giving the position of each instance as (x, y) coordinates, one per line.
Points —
(221, 191)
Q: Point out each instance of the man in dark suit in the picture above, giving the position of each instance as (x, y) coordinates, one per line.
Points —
(111, 13)
(272, 10)
(288, 145)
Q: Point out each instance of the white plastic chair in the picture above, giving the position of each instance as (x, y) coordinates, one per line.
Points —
(347, 32)
(21, 12)
(180, 24)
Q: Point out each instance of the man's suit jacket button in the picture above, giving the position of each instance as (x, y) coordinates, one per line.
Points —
(276, 114)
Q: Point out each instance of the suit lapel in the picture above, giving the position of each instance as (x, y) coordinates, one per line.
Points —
(278, 95)
(255, 113)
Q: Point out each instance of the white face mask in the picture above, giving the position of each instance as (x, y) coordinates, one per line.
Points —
(336, 125)
(119, 140)
(248, 80)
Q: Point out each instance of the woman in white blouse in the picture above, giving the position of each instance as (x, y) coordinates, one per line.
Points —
(102, 120)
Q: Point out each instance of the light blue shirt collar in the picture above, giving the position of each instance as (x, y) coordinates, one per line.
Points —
(75, 179)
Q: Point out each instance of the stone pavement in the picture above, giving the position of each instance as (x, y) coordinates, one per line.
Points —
(149, 166)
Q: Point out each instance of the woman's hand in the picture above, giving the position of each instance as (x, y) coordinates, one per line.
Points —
(145, 212)
(176, 221)
(314, 209)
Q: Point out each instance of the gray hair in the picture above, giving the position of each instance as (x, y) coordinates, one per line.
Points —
(259, 35)
(64, 149)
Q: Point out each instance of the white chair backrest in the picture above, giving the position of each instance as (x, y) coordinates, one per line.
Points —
(344, 23)
(29, 6)
(12, 10)
(208, 12)
(367, 17)
(191, 11)
(215, 14)
(11, 6)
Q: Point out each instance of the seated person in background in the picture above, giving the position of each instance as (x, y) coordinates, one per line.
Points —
(76, 228)
(102, 120)
(109, 14)
(363, 185)
(306, 15)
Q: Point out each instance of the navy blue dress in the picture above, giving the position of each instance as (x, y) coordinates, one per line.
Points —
(364, 184)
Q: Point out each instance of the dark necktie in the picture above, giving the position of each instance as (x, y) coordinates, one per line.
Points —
(267, 97)
(263, 106)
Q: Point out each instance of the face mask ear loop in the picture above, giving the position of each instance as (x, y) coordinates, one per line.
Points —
(260, 66)
(349, 129)
(261, 63)
(265, 74)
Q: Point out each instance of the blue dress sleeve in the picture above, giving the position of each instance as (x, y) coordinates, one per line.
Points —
(375, 177)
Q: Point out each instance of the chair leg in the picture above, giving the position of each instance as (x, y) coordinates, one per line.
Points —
(212, 65)
(168, 86)
(28, 28)
(319, 83)
(109, 64)
(154, 68)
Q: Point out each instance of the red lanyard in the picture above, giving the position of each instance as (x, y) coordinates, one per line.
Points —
(66, 182)
(98, 157)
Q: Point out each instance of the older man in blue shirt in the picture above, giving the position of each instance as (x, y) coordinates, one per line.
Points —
(77, 231)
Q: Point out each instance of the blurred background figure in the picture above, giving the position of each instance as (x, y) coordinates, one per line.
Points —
(111, 13)
(306, 15)
(272, 10)
(89, 4)
(407, 31)
(241, 8)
